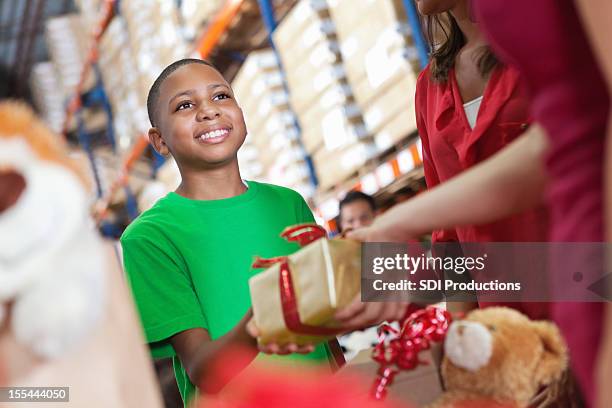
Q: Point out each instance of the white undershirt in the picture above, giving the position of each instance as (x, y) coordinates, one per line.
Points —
(471, 110)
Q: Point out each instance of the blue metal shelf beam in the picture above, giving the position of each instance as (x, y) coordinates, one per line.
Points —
(417, 32)
(267, 14)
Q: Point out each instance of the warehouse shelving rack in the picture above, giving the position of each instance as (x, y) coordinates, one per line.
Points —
(95, 98)
(382, 171)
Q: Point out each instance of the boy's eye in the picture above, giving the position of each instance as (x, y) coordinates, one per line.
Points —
(221, 96)
(184, 105)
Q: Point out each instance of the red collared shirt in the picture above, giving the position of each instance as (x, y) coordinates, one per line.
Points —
(450, 146)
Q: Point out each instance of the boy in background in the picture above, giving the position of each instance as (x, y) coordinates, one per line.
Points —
(357, 210)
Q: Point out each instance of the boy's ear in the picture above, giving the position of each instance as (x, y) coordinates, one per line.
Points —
(156, 140)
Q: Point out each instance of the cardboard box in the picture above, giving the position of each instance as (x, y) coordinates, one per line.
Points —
(367, 90)
(365, 39)
(48, 95)
(302, 61)
(298, 76)
(379, 67)
(196, 14)
(279, 119)
(289, 175)
(396, 130)
(418, 387)
(334, 167)
(294, 47)
(68, 42)
(347, 14)
(397, 99)
(270, 143)
(335, 127)
(285, 157)
(305, 91)
(257, 63)
(312, 139)
(303, 22)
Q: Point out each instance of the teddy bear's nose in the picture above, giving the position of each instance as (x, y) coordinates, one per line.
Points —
(12, 185)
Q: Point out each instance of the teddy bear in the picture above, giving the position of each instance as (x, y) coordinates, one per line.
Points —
(51, 266)
(68, 319)
(497, 357)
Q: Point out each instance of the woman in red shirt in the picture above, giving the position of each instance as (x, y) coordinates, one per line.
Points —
(462, 74)
(468, 107)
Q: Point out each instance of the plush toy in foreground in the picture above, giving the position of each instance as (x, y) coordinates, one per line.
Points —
(51, 265)
(498, 357)
(68, 318)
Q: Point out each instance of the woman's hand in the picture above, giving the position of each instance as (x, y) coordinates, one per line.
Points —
(274, 348)
(392, 226)
(359, 315)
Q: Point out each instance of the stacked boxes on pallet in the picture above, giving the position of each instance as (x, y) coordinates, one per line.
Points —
(154, 38)
(381, 64)
(122, 84)
(195, 14)
(68, 42)
(48, 94)
(272, 151)
(333, 131)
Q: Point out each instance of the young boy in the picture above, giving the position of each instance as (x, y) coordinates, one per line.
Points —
(357, 210)
(188, 258)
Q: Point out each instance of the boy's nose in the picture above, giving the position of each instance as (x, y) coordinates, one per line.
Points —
(208, 113)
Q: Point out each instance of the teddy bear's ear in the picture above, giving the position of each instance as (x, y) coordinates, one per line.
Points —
(554, 357)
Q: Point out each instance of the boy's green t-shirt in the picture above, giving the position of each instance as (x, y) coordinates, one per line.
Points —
(188, 263)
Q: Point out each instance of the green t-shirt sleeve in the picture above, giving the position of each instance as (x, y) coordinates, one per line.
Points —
(162, 289)
(305, 215)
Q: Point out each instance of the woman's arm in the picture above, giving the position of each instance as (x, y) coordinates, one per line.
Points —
(511, 181)
(596, 16)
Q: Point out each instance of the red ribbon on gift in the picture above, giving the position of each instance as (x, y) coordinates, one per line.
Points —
(303, 234)
(419, 330)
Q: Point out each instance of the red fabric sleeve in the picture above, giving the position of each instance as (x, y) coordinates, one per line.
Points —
(431, 175)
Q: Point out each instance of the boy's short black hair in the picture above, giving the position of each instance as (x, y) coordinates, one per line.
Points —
(353, 196)
(153, 96)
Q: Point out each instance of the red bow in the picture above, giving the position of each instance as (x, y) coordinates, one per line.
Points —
(402, 352)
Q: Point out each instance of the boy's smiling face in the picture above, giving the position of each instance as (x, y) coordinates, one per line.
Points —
(197, 118)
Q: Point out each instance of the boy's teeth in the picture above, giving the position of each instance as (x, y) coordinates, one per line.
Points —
(214, 133)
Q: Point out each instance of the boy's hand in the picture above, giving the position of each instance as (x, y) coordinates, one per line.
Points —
(359, 315)
(273, 348)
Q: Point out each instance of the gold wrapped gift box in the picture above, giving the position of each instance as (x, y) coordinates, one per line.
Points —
(324, 276)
